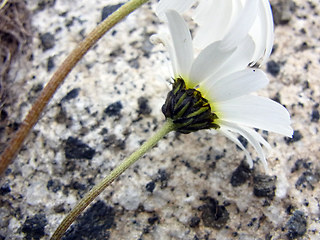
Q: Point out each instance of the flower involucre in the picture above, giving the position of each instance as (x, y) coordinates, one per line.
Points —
(213, 68)
(188, 110)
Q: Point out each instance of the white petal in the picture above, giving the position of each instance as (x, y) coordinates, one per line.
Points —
(213, 18)
(182, 42)
(177, 5)
(227, 132)
(258, 137)
(167, 42)
(251, 139)
(236, 85)
(262, 32)
(208, 62)
(257, 112)
(238, 61)
(241, 26)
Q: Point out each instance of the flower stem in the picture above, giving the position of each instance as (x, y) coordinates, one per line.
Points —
(3, 4)
(124, 165)
(33, 115)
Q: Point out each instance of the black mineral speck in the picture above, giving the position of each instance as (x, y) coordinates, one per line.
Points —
(240, 175)
(283, 11)
(277, 98)
(134, 63)
(94, 224)
(112, 141)
(54, 185)
(78, 186)
(150, 186)
(144, 107)
(300, 163)
(315, 115)
(34, 227)
(163, 176)
(264, 186)
(152, 220)
(75, 149)
(290, 209)
(3, 115)
(62, 116)
(297, 225)
(214, 215)
(104, 131)
(14, 126)
(71, 95)
(117, 52)
(308, 180)
(243, 141)
(108, 10)
(37, 88)
(147, 45)
(114, 109)
(194, 222)
(59, 208)
(297, 136)
(305, 85)
(268, 236)
(50, 64)
(273, 68)
(4, 189)
(47, 41)
(42, 4)
(304, 46)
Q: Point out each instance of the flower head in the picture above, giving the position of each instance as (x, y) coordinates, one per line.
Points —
(214, 69)
(218, 18)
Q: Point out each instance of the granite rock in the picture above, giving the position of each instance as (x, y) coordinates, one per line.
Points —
(162, 195)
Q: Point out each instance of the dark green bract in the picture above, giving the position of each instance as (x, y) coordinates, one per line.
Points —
(188, 110)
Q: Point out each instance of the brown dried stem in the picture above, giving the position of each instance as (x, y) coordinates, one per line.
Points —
(33, 115)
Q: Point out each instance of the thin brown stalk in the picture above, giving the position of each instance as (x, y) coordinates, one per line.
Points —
(33, 115)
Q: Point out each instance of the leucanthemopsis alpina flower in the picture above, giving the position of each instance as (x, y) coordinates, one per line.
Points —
(214, 70)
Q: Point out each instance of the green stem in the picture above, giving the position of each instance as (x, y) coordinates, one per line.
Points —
(96, 190)
(3, 4)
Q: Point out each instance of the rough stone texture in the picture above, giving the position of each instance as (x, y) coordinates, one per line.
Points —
(264, 186)
(94, 224)
(75, 149)
(162, 196)
(297, 225)
(34, 227)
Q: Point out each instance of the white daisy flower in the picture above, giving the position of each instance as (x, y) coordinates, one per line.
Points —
(213, 89)
(216, 18)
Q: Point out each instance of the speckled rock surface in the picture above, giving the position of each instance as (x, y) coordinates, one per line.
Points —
(190, 186)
